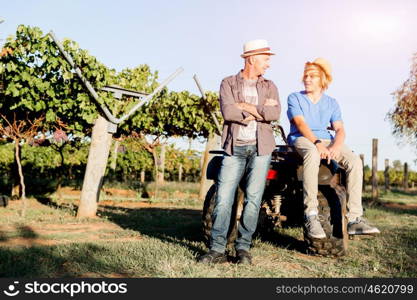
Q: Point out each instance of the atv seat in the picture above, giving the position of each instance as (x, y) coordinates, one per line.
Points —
(326, 171)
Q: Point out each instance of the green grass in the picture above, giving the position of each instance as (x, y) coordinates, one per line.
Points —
(164, 239)
(172, 187)
(395, 196)
(399, 197)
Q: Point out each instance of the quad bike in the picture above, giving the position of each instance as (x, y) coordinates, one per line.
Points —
(282, 202)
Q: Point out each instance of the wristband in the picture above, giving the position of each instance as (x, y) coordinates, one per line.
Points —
(317, 141)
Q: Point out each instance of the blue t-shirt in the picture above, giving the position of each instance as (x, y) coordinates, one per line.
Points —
(317, 116)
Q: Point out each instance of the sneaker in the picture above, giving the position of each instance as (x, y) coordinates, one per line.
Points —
(212, 257)
(243, 257)
(314, 229)
(361, 226)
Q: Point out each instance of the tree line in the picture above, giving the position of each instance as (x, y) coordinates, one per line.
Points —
(48, 171)
(394, 174)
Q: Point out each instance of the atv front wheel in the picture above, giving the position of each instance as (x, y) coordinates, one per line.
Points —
(235, 216)
(332, 207)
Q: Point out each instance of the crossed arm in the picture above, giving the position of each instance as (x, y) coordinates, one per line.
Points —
(333, 150)
(251, 109)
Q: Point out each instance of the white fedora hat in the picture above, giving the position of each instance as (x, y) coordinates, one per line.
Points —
(256, 47)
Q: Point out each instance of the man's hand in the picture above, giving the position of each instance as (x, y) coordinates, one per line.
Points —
(323, 152)
(241, 105)
(334, 151)
(250, 108)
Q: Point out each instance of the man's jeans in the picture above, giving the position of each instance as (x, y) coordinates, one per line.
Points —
(244, 163)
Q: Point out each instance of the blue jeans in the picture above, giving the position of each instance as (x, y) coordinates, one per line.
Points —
(243, 164)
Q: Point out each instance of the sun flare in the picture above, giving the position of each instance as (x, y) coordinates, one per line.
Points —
(378, 27)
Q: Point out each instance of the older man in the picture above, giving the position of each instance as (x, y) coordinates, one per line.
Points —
(310, 113)
(249, 103)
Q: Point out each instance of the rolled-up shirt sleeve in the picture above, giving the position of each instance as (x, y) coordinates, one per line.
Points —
(270, 112)
(228, 106)
(294, 108)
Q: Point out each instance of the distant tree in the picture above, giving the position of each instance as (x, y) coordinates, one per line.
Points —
(403, 116)
(19, 130)
(36, 90)
(397, 165)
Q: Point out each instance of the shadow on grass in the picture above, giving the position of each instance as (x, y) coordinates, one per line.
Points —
(179, 226)
(67, 207)
(284, 241)
(70, 260)
(56, 261)
(23, 231)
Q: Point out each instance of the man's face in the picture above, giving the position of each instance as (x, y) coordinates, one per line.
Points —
(312, 81)
(261, 63)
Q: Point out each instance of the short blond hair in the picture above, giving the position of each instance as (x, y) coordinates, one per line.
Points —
(325, 79)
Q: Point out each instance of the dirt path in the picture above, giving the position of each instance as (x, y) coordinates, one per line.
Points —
(401, 206)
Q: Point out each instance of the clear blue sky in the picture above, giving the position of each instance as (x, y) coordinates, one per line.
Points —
(369, 43)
